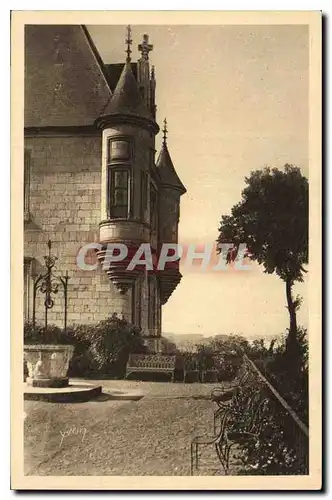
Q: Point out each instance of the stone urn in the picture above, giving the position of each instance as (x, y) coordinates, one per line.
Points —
(48, 364)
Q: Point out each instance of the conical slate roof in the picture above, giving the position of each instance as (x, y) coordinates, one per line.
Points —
(167, 171)
(126, 99)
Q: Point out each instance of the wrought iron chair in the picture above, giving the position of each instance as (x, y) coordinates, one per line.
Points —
(223, 400)
(244, 429)
(222, 395)
(209, 440)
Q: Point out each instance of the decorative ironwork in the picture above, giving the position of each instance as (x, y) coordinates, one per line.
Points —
(129, 41)
(48, 284)
(255, 420)
(295, 432)
(151, 363)
(165, 131)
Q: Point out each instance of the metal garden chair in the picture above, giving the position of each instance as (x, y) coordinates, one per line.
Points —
(244, 429)
(208, 440)
(223, 400)
(224, 396)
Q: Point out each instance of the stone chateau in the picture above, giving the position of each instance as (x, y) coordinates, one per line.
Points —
(90, 175)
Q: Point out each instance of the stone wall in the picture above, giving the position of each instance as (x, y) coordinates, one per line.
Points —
(65, 207)
(65, 189)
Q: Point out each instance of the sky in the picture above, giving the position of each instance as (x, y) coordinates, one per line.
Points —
(236, 100)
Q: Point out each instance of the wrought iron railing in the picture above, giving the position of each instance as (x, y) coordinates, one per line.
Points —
(295, 432)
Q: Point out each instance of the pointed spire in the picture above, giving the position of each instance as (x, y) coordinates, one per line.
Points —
(165, 131)
(129, 41)
(165, 165)
(126, 99)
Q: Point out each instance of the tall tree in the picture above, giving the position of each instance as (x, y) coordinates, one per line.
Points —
(272, 220)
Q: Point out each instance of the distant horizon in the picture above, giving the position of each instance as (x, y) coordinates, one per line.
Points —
(248, 337)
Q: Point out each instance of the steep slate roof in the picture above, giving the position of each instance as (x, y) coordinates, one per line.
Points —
(167, 171)
(65, 82)
(127, 99)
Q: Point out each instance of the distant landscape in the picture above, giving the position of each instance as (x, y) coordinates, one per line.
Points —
(189, 339)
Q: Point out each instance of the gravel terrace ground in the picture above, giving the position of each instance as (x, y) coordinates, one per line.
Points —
(146, 437)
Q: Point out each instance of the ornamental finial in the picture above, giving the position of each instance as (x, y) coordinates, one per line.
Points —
(129, 41)
(153, 73)
(145, 47)
(165, 132)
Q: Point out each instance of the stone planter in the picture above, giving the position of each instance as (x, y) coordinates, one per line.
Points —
(48, 364)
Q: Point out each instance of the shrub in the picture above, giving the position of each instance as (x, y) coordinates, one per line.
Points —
(273, 452)
(82, 365)
(111, 342)
(289, 373)
(102, 348)
(38, 334)
(228, 369)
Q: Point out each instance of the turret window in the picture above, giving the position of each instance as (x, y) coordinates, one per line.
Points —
(119, 150)
(119, 190)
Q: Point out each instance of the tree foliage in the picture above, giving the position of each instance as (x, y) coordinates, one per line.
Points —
(111, 342)
(272, 220)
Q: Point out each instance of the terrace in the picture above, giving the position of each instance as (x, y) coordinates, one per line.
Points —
(152, 435)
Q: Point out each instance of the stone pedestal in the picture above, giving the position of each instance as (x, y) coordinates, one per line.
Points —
(48, 365)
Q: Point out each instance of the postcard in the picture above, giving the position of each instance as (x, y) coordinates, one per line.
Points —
(166, 250)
